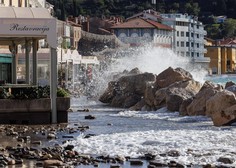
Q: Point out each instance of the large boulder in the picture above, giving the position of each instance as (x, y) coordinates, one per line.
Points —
(149, 95)
(216, 107)
(231, 88)
(198, 105)
(127, 90)
(109, 93)
(170, 76)
(135, 83)
(183, 107)
(160, 98)
(180, 91)
(228, 84)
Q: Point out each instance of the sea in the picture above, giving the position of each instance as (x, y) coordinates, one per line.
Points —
(121, 132)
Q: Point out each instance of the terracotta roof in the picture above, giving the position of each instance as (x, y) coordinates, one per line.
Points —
(141, 23)
(229, 41)
(159, 25)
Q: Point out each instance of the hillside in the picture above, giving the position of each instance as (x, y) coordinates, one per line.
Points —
(206, 10)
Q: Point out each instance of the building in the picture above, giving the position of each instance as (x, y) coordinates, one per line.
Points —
(14, 3)
(140, 31)
(209, 42)
(220, 19)
(222, 59)
(189, 35)
(227, 42)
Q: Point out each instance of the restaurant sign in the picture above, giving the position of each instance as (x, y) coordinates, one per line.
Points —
(18, 27)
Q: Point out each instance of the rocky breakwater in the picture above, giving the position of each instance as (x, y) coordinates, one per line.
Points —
(176, 90)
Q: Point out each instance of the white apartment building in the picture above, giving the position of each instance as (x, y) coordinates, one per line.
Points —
(188, 37)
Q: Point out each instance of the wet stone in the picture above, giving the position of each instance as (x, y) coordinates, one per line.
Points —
(175, 164)
(136, 162)
(89, 117)
(157, 163)
(51, 136)
(68, 136)
(37, 142)
(69, 147)
(89, 135)
(226, 160)
(149, 156)
(173, 153)
(115, 166)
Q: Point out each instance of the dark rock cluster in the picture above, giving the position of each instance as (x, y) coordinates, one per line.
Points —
(176, 90)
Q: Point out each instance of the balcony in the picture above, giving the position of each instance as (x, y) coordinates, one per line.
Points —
(202, 60)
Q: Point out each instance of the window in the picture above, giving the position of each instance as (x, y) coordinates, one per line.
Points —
(182, 44)
(10, 2)
(197, 54)
(191, 44)
(187, 44)
(182, 34)
(2, 1)
(191, 34)
(19, 3)
(192, 54)
(177, 44)
(177, 33)
(187, 34)
(197, 35)
(197, 45)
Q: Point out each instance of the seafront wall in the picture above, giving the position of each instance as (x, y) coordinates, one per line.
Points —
(35, 111)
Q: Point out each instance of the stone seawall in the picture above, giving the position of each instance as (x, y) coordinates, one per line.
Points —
(35, 111)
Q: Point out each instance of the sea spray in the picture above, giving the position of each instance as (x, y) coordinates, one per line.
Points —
(146, 59)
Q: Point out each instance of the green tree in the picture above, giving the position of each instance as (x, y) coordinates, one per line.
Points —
(229, 28)
(192, 8)
(213, 31)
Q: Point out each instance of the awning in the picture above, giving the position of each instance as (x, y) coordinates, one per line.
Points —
(20, 23)
(5, 58)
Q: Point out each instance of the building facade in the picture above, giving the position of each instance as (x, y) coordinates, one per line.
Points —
(223, 59)
(189, 35)
(14, 3)
(141, 31)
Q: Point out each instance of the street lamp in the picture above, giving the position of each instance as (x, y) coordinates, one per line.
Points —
(60, 42)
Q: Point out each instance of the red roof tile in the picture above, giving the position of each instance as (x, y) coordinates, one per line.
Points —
(141, 23)
(159, 25)
(229, 41)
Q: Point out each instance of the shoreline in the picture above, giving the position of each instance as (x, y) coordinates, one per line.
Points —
(42, 146)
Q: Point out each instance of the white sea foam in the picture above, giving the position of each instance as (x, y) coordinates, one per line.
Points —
(162, 114)
(195, 146)
(147, 59)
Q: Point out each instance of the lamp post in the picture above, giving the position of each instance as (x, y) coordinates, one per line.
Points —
(60, 41)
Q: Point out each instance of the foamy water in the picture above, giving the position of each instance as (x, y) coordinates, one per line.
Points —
(146, 59)
(135, 133)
